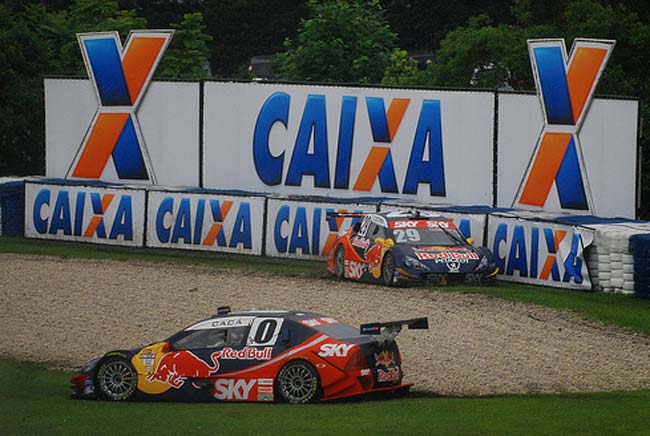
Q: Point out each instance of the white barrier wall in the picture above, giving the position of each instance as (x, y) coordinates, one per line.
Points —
(349, 142)
(85, 214)
(300, 229)
(169, 125)
(607, 138)
(208, 222)
(540, 253)
(427, 146)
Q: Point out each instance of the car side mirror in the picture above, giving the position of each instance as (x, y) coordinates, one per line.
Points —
(165, 347)
(470, 241)
(357, 226)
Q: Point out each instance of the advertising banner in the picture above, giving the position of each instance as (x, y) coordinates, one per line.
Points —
(112, 216)
(561, 151)
(163, 148)
(210, 222)
(540, 253)
(471, 225)
(300, 229)
(346, 142)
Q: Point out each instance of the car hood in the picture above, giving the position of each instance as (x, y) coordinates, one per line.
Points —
(444, 258)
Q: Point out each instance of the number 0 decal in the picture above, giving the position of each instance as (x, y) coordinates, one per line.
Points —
(265, 332)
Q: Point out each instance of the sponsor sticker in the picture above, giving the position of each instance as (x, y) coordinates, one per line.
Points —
(389, 375)
(335, 350)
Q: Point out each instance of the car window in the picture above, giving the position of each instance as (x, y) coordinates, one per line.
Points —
(212, 338)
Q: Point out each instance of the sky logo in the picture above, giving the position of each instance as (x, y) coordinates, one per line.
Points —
(565, 89)
(120, 78)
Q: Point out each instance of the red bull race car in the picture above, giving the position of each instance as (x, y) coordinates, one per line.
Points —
(402, 247)
(293, 357)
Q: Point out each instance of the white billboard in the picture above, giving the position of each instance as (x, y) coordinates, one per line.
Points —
(608, 139)
(210, 222)
(540, 253)
(301, 229)
(85, 214)
(345, 142)
(168, 135)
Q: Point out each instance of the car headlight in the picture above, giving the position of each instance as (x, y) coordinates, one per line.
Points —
(483, 263)
(412, 262)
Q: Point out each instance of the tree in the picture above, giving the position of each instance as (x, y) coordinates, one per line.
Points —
(23, 59)
(242, 29)
(481, 54)
(403, 71)
(421, 24)
(340, 42)
(187, 56)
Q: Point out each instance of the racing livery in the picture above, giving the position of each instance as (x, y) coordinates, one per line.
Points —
(401, 247)
(286, 356)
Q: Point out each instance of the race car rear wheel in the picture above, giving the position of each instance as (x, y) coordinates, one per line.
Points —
(297, 383)
(116, 379)
(388, 269)
(339, 262)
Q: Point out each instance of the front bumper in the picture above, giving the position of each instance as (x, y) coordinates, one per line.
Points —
(83, 387)
(433, 278)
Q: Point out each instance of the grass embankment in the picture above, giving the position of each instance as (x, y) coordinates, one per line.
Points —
(621, 310)
(35, 401)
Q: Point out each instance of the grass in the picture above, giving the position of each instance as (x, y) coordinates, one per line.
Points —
(34, 400)
(620, 310)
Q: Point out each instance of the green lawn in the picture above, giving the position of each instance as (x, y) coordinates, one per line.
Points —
(34, 401)
(621, 310)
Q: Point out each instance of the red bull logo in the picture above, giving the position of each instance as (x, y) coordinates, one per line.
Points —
(174, 368)
(385, 358)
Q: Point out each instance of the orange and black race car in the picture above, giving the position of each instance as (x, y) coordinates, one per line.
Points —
(402, 247)
(294, 357)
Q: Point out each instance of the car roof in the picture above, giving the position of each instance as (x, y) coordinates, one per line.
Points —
(245, 318)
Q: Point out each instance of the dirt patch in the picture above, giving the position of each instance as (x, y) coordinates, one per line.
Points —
(65, 311)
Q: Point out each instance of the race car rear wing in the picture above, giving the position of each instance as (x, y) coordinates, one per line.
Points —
(330, 215)
(388, 331)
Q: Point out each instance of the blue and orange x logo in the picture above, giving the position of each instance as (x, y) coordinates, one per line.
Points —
(384, 125)
(120, 78)
(565, 89)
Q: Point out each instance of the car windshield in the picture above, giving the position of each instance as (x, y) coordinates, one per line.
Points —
(428, 236)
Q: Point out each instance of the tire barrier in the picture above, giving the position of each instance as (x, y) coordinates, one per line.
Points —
(580, 252)
(640, 249)
(618, 260)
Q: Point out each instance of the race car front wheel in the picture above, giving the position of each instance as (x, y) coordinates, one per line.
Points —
(339, 262)
(116, 379)
(297, 383)
(388, 269)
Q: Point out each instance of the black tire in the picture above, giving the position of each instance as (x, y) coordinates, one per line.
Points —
(116, 379)
(388, 269)
(297, 383)
(339, 262)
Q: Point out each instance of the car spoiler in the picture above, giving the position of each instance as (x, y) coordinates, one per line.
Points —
(331, 215)
(389, 330)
